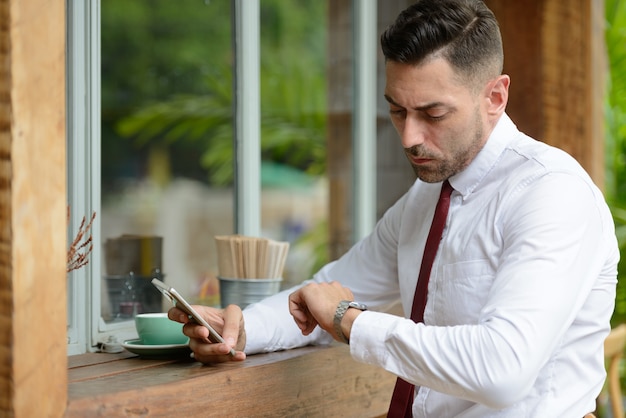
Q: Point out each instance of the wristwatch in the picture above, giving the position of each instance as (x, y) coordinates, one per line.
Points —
(342, 308)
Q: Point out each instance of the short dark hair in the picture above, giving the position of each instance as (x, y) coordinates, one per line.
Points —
(464, 32)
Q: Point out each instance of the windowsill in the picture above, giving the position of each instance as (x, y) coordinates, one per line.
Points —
(310, 381)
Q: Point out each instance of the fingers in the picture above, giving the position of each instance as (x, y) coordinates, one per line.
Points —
(315, 304)
(214, 353)
(234, 330)
(301, 315)
(227, 322)
(193, 330)
(177, 315)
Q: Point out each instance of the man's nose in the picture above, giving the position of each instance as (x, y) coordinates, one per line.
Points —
(413, 133)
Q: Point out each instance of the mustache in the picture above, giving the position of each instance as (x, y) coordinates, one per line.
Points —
(419, 151)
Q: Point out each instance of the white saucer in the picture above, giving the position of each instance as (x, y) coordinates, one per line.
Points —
(162, 351)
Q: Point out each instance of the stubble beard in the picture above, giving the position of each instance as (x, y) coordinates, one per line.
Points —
(445, 168)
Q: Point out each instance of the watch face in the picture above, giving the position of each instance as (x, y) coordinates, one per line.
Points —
(358, 305)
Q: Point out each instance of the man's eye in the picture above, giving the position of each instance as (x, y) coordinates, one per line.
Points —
(435, 116)
(396, 111)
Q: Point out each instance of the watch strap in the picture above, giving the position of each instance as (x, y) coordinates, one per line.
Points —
(341, 310)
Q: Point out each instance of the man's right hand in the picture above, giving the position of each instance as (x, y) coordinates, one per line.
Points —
(228, 322)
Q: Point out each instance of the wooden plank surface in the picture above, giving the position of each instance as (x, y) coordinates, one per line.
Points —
(33, 242)
(312, 382)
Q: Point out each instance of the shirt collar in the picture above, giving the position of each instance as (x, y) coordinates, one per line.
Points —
(467, 180)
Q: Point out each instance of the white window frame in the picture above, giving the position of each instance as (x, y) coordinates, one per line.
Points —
(364, 135)
(83, 158)
(86, 328)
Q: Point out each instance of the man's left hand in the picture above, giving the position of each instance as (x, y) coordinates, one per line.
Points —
(315, 304)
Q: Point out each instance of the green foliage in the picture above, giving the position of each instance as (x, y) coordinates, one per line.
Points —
(616, 107)
(616, 135)
(205, 121)
(152, 49)
(292, 127)
(197, 111)
(316, 239)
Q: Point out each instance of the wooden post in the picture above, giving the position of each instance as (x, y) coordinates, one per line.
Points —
(339, 130)
(32, 208)
(554, 53)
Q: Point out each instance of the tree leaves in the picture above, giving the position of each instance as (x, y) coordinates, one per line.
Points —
(293, 98)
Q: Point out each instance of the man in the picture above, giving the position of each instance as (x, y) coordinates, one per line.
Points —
(522, 286)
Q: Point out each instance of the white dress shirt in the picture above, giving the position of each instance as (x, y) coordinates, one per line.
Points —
(520, 295)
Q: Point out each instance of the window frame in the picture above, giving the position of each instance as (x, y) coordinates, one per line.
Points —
(83, 154)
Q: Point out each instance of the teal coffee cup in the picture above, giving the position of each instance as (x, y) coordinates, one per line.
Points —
(158, 329)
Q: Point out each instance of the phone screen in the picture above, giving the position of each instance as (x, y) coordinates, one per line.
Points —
(183, 305)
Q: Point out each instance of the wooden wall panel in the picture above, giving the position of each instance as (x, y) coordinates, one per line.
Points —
(6, 285)
(520, 25)
(33, 208)
(573, 80)
(554, 53)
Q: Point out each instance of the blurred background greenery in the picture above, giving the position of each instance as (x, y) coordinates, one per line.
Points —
(615, 188)
(167, 110)
(140, 113)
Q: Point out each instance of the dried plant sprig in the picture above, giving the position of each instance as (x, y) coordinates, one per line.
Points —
(82, 245)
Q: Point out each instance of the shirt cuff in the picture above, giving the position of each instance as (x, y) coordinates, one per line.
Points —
(368, 336)
(269, 327)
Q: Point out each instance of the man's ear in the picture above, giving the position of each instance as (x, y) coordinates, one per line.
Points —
(497, 95)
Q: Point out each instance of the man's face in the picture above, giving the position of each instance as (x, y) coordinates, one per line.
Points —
(442, 123)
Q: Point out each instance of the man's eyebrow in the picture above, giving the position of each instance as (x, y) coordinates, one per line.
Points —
(427, 106)
(391, 101)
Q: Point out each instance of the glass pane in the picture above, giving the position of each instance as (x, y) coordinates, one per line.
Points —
(166, 149)
(167, 172)
(294, 194)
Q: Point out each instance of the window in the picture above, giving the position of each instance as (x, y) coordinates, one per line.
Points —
(150, 142)
(166, 150)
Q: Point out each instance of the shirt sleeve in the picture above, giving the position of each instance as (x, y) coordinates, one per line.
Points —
(270, 327)
(369, 269)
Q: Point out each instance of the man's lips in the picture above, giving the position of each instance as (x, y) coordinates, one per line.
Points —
(419, 160)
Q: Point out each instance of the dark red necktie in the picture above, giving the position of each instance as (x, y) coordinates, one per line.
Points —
(402, 399)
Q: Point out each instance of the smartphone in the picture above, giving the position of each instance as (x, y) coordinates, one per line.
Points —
(183, 305)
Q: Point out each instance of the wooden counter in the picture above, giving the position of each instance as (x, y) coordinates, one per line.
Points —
(310, 381)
